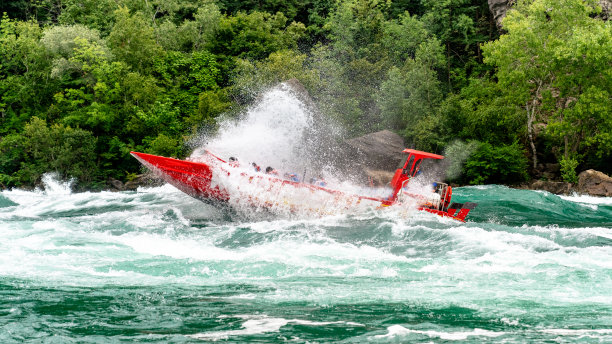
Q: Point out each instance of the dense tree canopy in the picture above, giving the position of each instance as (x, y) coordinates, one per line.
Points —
(84, 82)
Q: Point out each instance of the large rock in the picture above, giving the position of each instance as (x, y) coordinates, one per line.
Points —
(499, 8)
(320, 147)
(379, 177)
(381, 150)
(374, 156)
(595, 183)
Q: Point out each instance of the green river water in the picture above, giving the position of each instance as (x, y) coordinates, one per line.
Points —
(156, 266)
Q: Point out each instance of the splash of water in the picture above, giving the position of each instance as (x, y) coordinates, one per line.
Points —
(53, 184)
(283, 132)
(457, 153)
(278, 131)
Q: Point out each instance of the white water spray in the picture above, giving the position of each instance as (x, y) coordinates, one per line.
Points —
(55, 186)
(281, 131)
(277, 131)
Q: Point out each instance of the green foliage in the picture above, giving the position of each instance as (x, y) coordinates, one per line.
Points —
(164, 145)
(481, 112)
(61, 40)
(210, 105)
(255, 35)
(190, 35)
(554, 54)
(82, 83)
(311, 13)
(25, 86)
(94, 14)
(403, 36)
(253, 77)
(461, 25)
(12, 154)
(65, 42)
(491, 164)
(568, 169)
(133, 41)
(356, 27)
(68, 151)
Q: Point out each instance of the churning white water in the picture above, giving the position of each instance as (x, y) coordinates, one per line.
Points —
(156, 265)
(277, 131)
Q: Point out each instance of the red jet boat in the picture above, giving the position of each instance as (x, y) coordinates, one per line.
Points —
(211, 178)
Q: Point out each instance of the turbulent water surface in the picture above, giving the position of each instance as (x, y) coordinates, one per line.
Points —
(158, 266)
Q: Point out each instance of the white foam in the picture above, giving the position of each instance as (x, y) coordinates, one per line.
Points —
(400, 331)
(580, 332)
(586, 199)
(291, 251)
(55, 186)
(263, 324)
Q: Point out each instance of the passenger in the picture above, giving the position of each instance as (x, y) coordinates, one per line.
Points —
(292, 177)
(233, 162)
(272, 171)
(256, 167)
(318, 181)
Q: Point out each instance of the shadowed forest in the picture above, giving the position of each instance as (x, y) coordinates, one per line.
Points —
(84, 82)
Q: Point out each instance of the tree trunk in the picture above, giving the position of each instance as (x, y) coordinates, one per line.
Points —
(530, 119)
(531, 112)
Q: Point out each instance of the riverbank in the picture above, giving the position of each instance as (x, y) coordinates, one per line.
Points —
(590, 182)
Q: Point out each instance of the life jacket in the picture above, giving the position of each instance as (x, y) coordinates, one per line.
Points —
(256, 167)
(318, 182)
(293, 177)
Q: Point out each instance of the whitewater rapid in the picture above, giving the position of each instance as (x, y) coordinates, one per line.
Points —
(157, 266)
(511, 278)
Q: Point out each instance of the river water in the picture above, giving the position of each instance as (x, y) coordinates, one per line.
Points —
(157, 266)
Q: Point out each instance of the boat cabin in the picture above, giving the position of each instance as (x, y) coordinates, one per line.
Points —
(410, 168)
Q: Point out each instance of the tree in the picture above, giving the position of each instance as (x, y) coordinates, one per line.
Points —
(455, 24)
(255, 35)
(553, 53)
(63, 41)
(68, 151)
(25, 86)
(402, 37)
(132, 40)
(190, 35)
(356, 28)
(496, 164)
(253, 77)
(93, 14)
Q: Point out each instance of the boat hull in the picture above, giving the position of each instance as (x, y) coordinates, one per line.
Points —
(192, 178)
(215, 180)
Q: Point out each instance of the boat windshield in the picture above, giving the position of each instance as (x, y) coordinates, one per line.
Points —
(406, 165)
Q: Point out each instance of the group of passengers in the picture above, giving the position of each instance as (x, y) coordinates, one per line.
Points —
(272, 171)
